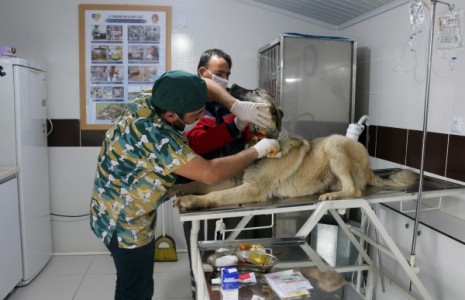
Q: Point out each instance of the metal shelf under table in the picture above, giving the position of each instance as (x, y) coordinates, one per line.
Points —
(292, 253)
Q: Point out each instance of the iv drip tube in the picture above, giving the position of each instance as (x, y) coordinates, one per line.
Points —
(362, 120)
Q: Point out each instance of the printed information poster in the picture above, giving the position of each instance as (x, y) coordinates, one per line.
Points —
(123, 53)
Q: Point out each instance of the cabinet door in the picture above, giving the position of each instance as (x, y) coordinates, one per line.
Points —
(10, 242)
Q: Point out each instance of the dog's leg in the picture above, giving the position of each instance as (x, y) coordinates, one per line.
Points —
(342, 171)
(244, 193)
(348, 189)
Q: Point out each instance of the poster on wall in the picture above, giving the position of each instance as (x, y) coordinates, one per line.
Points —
(123, 50)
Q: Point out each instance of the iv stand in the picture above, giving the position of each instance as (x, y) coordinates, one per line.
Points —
(425, 127)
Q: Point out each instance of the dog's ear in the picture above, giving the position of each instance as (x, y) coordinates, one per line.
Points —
(279, 119)
(279, 123)
(281, 112)
(239, 92)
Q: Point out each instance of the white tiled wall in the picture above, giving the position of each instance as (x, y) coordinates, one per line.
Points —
(72, 171)
(391, 81)
(393, 88)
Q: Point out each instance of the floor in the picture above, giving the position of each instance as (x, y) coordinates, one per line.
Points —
(92, 277)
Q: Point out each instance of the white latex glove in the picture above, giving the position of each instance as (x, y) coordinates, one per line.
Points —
(240, 124)
(267, 147)
(251, 112)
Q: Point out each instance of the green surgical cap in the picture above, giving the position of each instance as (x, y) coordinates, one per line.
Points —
(179, 91)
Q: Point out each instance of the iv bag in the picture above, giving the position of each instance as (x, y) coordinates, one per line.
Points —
(417, 16)
(450, 30)
(450, 35)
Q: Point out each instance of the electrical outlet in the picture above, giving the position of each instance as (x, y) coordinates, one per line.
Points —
(456, 125)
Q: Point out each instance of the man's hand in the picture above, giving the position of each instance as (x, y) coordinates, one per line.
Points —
(267, 147)
(251, 112)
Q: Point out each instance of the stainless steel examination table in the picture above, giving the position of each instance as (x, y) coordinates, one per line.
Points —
(432, 188)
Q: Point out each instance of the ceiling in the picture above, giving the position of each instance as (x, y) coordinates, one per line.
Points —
(334, 14)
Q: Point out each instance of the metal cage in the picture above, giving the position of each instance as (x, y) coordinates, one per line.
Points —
(313, 79)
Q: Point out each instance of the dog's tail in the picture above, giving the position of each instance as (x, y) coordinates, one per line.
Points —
(401, 179)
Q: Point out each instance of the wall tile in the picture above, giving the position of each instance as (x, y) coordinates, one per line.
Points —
(391, 144)
(455, 161)
(92, 138)
(65, 133)
(391, 108)
(439, 110)
(435, 151)
(372, 131)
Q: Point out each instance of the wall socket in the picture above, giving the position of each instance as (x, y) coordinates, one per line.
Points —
(456, 125)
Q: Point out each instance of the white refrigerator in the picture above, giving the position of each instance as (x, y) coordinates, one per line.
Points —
(23, 144)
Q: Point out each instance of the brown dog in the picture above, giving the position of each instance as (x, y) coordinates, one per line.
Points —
(335, 167)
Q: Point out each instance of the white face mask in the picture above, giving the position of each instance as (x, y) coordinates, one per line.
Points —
(221, 81)
(187, 127)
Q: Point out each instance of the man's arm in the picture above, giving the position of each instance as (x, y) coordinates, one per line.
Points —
(215, 170)
(218, 94)
(212, 171)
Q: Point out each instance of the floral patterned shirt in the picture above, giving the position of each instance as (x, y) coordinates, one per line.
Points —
(135, 171)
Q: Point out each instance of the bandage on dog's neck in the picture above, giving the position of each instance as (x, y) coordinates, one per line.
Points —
(256, 133)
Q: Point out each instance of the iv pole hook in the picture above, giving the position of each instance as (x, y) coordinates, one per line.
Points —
(451, 6)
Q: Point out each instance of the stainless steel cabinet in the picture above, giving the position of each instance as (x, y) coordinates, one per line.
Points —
(313, 78)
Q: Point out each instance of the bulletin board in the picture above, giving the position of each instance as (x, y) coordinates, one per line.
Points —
(123, 49)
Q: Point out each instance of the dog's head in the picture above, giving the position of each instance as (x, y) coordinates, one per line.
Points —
(260, 96)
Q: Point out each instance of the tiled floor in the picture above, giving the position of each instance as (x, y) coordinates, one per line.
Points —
(92, 277)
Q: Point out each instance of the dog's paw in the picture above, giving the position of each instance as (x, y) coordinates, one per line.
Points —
(184, 203)
(327, 196)
(328, 281)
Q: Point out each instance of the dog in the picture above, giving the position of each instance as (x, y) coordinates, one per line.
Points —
(333, 167)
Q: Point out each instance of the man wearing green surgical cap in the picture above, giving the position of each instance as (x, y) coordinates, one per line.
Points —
(141, 156)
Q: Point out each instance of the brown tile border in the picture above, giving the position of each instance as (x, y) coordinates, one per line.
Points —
(372, 136)
(92, 138)
(391, 144)
(64, 133)
(455, 159)
(435, 151)
(444, 153)
(68, 133)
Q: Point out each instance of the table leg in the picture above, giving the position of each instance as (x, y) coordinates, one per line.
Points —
(196, 260)
(396, 251)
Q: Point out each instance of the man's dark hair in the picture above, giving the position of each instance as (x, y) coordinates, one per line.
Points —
(207, 55)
